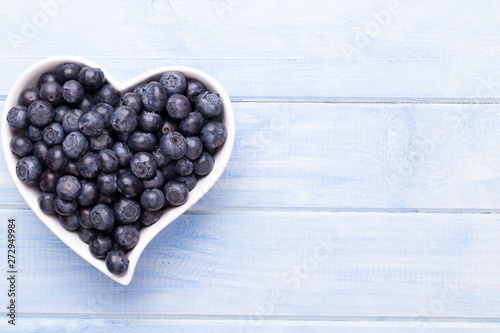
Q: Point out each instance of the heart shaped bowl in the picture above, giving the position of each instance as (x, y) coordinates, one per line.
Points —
(31, 193)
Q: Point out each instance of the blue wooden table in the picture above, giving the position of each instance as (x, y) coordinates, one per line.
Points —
(364, 188)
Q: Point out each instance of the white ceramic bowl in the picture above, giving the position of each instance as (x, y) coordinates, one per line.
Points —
(31, 193)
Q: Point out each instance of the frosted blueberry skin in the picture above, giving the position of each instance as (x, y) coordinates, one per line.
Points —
(105, 110)
(194, 88)
(126, 236)
(68, 187)
(106, 183)
(213, 134)
(173, 145)
(117, 262)
(91, 123)
(127, 211)
(173, 82)
(41, 113)
(100, 142)
(67, 72)
(70, 222)
(52, 93)
(141, 141)
(183, 167)
(28, 96)
(176, 193)
(87, 165)
(72, 92)
(46, 202)
(46, 77)
(124, 120)
(148, 218)
(109, 95)
(143, 165)
(209, 104)
(21, 146)
(86, 234)
(189, 180)
(29, 169)
(63, 207)
(203, 165)
(18, 117)
(48, 181)
(156, 181)
(152, 199)
(129, 185)
(131, 99)
(192, 124)
(87, 103)
(75, 144)
(53, 134)
(102, 217)
(107, 160)
(178, 106)
(85, 218)
(92, 79)
(100, 244)
(194, 147)
(56, 159)
(89, 194)
(150, 121)
(161, 159)
(40, 151)
(154, 97)
(123, 153)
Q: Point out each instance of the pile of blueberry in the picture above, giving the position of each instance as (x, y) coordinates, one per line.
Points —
(107, 164)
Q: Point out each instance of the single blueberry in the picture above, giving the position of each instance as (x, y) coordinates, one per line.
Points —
(117, 262)
(150, 121)
(87, 165)
(91, 123)
(29, 169)
(71, 168)
(105, 110)
(173, 144)
(106, 183)
(102, 217)
(143, 165)
(124, 119)
(189, 180)
(176, 193)
(109, 95)
(178, 106)
(107, 160)
(192, 125)
(68, 187)
(84, 220)
(149, 218)
(194, 147)
(126, 236)
(87, 103)
(28, 96)
(21, 146)
(157, 181)
(100, 141)
(209, 104)
(63, 207)
(46, 202)
(53, 134)
(70, 120)
(67, 72)
(72, 92)
(127, 211)
(40, 151)
(194, 88)
(183, 167)
(70, 222)
(154, 97)
(56, 158)
(46, 77)
(161, 159)
(18, 117)
(123, 153)
(51, 92)
(48, 181)
(213, 134)
(89, 193)
(60, 111)
(75, 144)
(41, 113)
(203, 165)
(133, 100)
(129, 185)
(173, 82)
(152, 199)
(100, 244)
(92, 79)
(86, 234)
(141, 141)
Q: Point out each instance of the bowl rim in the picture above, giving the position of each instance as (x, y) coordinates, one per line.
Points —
(221, 158)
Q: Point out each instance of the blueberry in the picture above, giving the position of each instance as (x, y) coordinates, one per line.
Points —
(126, 236)
(29, 169)
(152, 200)
(87, 103)
(154, 97)
(48, 181)
(28, 96)
(203, 165)
(102, 217)
(70, 120)
(141, 141)
(33, 133)
(178, 106)
(134, 101)
(176, 193)
(85, 217)
(173, 82)
(40, 151)
(209, 104)
(45, 78)
(190, 180)
(107, 160)
(18, 117)
(193, 124)
(41, 113)
(168, 171)
(173, 144)
(129, 185)
(143, 165)
(92, 79)
(138, 90)
(150, 121)
(213, 134)
(53, 134)
(100, 141)
(100, 244)
(46, 202)
(52, 93)
(56, 158)
(183, 167)
(68, 187)
(105, 110)
(87, 165)
(63, 207)
(117, 262)
(89, 193)
(75, 144)
(91, 123)
(70, 222)
(106, 183)
(194, 147)
(194, 88)
(60, 111)
(127, 211)
(124, 119)
(149, 218)
(109, 95)
(161, 159)
(21, 146)
(157, 181)
(72, 92)
(86, 234)
(71, 168)
(67, 72)
(123, 153)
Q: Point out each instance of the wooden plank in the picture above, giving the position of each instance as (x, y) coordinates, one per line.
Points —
(355, 157)
(277, 264)
(257, 49)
